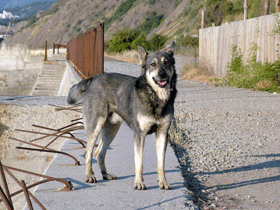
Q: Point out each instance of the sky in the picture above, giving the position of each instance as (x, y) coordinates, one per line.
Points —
(9, 3)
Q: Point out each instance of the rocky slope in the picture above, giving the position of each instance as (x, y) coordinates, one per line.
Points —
(67, 19)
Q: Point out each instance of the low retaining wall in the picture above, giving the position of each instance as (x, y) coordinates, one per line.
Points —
(69, 79)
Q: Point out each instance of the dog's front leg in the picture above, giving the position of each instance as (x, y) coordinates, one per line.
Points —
(139, 141)
(161, 143)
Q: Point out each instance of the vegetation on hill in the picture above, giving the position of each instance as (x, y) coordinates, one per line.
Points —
(29, 9)
(175, 19)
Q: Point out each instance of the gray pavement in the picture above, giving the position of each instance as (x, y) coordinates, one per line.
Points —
(116, 194)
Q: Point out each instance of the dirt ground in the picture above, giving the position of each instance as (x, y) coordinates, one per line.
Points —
(22, 113)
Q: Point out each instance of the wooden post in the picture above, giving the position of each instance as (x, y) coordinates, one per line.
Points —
(46, 51)
(277, 6)
(266, 7)
(245, 9)
(53, 48)
(202, 18)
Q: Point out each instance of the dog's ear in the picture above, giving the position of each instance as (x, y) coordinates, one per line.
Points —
(142, 55)
(170, 49)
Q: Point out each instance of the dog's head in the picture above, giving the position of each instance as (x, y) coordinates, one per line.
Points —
(158, 67)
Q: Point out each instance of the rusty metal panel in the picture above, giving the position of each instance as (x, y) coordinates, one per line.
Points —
(86, 52)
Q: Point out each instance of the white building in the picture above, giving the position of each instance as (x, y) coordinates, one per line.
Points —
(7, 15)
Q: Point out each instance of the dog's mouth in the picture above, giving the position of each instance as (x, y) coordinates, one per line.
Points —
(160, 82)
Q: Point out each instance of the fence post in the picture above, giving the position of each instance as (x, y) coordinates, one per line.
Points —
(202, 18)
(245, 9)
(100, 48)
(53, 48)
(266, 7)
(46, 51)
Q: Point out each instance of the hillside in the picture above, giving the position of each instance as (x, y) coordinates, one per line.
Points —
(29, 9)
(67, 19)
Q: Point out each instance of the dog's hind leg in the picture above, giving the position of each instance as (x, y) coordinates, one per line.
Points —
(93, 130)
(108, 134)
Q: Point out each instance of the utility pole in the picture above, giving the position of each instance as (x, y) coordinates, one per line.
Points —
(245, 9)
(266, 7)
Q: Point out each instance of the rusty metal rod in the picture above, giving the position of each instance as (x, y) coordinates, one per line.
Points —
(47, 134)
(19, 191)
(60, 108)
(60, 130)
(44, 149)
(5, 185)
(26, 194)
(67, 184)
(6, 201)
(50, 151)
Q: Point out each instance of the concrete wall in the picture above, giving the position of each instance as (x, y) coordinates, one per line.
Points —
(70, 78)
(18, 71)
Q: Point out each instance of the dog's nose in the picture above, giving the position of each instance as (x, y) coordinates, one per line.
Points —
(162, 74)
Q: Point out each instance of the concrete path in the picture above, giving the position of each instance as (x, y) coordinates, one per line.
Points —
(116, 194)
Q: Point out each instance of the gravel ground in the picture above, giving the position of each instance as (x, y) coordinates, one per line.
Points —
(232, 145)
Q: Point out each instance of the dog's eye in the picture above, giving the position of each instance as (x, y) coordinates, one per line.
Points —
(153, 64)
(166, 62)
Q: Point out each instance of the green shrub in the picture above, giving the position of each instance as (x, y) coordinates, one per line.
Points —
(121, 10)
(122, 40)
(152, 21)
(33, 19)
(188, 41)
(141, 40)
(253, 74)
(157, 42)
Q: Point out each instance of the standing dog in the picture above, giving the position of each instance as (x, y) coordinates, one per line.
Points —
(145, 103)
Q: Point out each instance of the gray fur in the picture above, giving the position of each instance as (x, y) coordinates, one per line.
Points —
(145, 103)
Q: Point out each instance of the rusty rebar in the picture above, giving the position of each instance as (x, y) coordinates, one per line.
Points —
(6, 201)
(5, 185)
(44, 149)
(48, 134)
(26, 194)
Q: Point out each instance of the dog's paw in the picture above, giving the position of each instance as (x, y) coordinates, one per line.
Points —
(91, 179)
(164, 186)
(139, 186)
(109, 177)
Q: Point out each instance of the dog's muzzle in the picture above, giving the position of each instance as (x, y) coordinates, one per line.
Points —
(161, 79)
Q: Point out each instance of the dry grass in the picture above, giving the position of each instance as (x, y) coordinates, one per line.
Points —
(263, 84)
(199, 72)
(126, 56)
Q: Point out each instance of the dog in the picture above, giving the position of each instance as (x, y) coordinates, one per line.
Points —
(145, 103)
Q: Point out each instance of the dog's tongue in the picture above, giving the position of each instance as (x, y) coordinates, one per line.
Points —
(162, 83)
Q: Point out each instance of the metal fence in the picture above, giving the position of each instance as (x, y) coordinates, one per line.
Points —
(215, 42)
(86, 52)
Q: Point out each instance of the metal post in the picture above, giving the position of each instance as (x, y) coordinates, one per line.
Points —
(100, 48)
(46, 51)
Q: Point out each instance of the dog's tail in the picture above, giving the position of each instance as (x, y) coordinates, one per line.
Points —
(78, 91)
